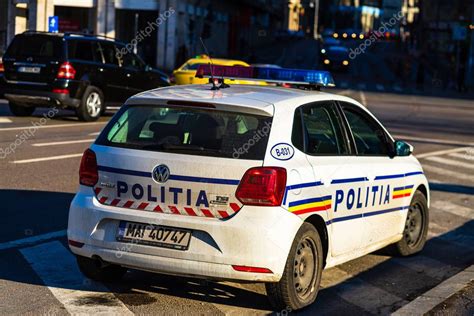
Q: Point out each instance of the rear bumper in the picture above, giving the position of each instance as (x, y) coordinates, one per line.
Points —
(254, 237)
(40, 94)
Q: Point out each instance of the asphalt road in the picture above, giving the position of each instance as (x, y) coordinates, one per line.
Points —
(38, 181)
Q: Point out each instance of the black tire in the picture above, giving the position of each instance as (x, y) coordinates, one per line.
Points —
(416, 228)
(92, 105)
(295, 291)
(95, 270)
(20, 110)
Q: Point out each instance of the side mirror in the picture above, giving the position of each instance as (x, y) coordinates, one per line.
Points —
(403, 149)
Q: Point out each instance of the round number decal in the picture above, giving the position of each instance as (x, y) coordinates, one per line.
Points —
(282, 151)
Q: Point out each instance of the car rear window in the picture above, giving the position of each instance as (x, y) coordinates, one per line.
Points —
(36, 46)
(187, 130)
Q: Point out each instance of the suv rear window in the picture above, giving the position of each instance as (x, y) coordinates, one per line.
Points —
(36, 46)
(189, 131)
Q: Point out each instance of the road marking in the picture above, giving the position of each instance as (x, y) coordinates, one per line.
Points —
(451, 162)
(46, 158)
(447, 173)
(58, 270)
(465, 156)
(64, 142)
(363, 100)
(442, 152)
(94, 134)
(362, 294)
(433, 268)
(5, 120)
(31, 240)
(429, 300)
(452, 208)
(7, 129)
(434, 140)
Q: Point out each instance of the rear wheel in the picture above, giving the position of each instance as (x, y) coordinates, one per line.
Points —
(416, 227)
(99, 271)
(92, 105)
(299, 284)
(20, 110)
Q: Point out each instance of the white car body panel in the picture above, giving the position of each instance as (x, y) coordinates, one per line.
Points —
(252, 236)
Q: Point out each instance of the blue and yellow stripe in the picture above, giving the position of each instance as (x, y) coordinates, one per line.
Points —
(310, 205)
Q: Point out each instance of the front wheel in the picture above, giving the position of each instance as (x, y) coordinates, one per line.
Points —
(416, 227)
(92, 105)
(299, 284)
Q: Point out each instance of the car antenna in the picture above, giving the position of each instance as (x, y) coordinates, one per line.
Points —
(211, 66)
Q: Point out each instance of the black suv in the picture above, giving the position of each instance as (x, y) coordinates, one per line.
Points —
(73, 71)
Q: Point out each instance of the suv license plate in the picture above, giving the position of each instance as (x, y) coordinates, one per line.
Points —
(31, 70)
(154, 235)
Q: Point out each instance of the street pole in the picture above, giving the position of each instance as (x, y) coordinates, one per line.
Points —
(316, 19)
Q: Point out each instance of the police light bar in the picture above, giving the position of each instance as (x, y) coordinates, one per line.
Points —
(276, 75)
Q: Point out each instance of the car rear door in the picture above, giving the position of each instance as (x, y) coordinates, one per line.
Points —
(176, 160)
(116, 81)
(34, 58)
(337, 171)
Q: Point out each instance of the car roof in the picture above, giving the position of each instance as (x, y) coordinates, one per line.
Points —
(258, 98)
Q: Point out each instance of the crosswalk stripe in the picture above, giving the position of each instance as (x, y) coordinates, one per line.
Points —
(431, 267)
(5, 120)
(362, 294)
(451, 162)
(58, 270)
(465, 156)
(452, 208)
(447, 173)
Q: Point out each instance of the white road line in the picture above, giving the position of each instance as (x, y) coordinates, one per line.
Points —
(451, 162)
(46, 158)
(438, 294)
(442, 152)
(58, 270)
(363, 100)
(64, 142)
(7, 129)
(465, 156)
(5, 120)
(452, 208)
(447, 173)
(94, 134)
(440, 141)
(363, 294)
(31, 240)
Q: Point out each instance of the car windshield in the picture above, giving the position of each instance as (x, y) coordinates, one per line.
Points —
(189, 131)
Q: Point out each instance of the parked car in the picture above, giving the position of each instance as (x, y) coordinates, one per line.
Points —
(73, 71)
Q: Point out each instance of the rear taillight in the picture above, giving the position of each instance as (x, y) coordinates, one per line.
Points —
(66, 71)
(2, 69)
(88, 171)
(262, 186)
(61, 91)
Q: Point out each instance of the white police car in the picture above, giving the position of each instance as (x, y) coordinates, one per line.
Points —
(245, 183)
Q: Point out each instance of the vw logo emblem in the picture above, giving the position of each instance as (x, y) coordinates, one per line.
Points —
(160, 173)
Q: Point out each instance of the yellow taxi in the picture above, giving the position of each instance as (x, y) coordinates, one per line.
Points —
(185, 74)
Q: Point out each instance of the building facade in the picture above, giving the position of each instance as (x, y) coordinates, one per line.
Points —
(165, 33)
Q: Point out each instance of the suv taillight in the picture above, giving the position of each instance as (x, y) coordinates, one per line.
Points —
(66, 71)
(262, 186)
(88, 171)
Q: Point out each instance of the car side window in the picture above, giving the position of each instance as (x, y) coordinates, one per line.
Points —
(317, 130)
(108, 50)
(84, 50)
(131, 60)
(369, 137)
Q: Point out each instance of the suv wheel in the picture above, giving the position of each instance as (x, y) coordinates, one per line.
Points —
(92, 105)
(416, 227)
(20, 110)
(299, 284)
(99, 271)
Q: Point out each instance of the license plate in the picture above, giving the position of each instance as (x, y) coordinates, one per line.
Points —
(154, 235)
(31, 70)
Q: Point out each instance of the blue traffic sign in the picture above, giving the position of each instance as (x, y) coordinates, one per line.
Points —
(53, 24)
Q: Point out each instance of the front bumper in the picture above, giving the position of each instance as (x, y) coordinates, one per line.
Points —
(254, 237)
